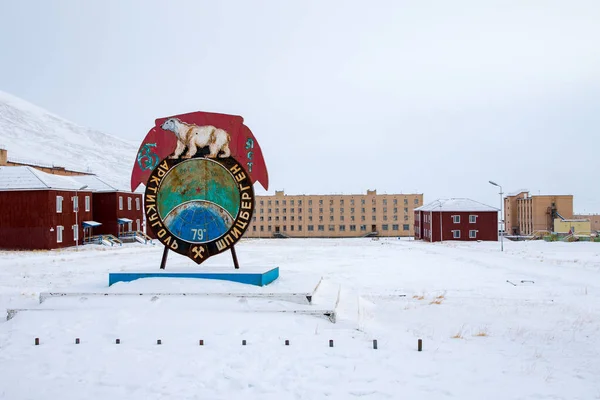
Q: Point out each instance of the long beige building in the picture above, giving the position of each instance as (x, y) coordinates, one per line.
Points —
(370, 214)
(526, 214)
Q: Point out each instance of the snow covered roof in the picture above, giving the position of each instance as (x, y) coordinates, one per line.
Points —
(516, 192)
(94, 183)
(29, 178)
(456, 205)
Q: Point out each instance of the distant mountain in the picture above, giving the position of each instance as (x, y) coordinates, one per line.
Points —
(32, 134)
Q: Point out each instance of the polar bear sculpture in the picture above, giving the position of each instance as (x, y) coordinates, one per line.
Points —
(194, 137)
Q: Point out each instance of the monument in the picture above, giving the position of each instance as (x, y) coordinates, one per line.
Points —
(199, 170)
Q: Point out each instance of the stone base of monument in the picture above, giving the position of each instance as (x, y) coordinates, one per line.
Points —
(298, 293)
(257, 276)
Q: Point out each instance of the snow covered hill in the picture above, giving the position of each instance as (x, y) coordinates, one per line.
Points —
(32, 134)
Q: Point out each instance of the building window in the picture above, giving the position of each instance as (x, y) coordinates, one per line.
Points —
(362, 218)
(87, 203)
(395, 202)
(352, 227)
(374, 218)
(262, 228)
(472, 234)
(341, 217)
(59, 233)
(291, 210)
(351, 202)
(456, 219)
(311, 228)
(405, 227)
(300, 210)
(75, 203)
(276, 202)
(385, 217)
(269, 203)
(137, 224)
(129, 203)
(269, 227)
(362, 210)
(352, 218)
(291, 203)
(321, 227)
(75, 233)
(363, 227)
(277, 211)
(384, 227)
(284, 203)
(395, 227)
(291, 227)
(262, 203)
(384, 202)
(362, 201)
(310, 202)
(310, 218)
(331, 210)
(395, 218)
(137, 203)
(342, 228)
(384, 209)
(472, 219)
(405, 201)
(331, 228)
(341, 210)
(299, 202)
(320, 218)
(285, 210)
(416, 202)
(254, 228)
(395, 210)
(456, 234)
(120, 202)
(331, 218)
(59, 201)
(299, 227)
(374, 210)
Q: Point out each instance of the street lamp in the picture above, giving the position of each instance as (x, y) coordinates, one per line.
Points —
(501, 220)
(76, 214)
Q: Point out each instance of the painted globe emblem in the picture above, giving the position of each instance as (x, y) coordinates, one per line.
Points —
(199, 206)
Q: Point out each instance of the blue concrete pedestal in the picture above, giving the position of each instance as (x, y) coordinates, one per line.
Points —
(257, 277)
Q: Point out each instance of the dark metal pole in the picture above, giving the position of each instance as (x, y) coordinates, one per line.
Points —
(163, 263)
(235, 260)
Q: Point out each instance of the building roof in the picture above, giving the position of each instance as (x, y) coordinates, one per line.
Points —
(456, 205)
(29, 178)
(94, 183)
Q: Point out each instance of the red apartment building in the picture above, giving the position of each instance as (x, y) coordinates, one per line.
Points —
(45, 211)
(456, 219)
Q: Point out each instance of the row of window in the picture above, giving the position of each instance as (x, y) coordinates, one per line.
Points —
(332, 228)
(455, 234)
(331, 210)
(331, 218)
(341, 202)
(60, 229)
(75, 199)
(455, 218)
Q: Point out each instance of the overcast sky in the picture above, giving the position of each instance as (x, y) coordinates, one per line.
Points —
(433, 97)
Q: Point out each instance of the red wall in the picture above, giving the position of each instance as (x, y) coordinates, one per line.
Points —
(28, 216)
(106, 211)
(486, 225)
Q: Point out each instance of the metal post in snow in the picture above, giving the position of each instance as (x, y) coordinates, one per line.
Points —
(501, 219)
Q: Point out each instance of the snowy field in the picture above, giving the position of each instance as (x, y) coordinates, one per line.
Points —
(535, 337)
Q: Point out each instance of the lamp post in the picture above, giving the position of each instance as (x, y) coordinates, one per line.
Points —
(76, 214)
(501, 219)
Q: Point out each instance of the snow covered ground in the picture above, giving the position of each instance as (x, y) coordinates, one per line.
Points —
(483, 337)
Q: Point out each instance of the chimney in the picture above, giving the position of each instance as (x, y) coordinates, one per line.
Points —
(3, 157)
